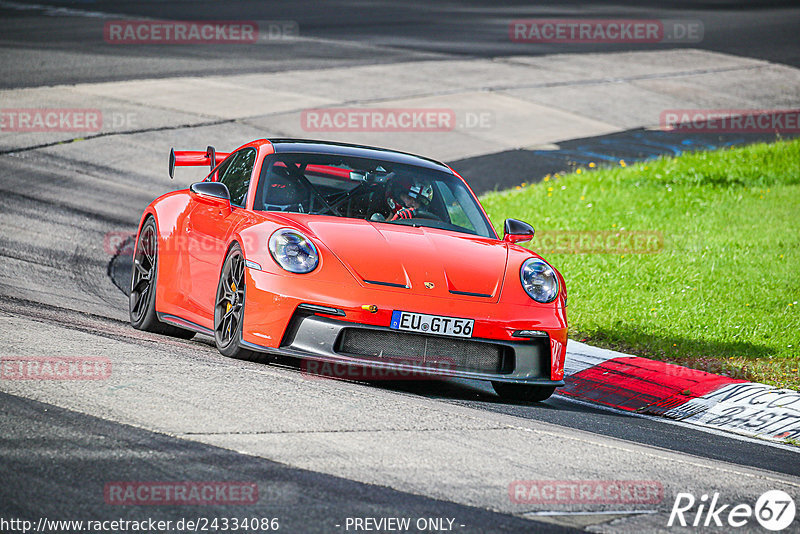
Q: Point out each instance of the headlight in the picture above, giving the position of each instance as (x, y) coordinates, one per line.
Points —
(539, 280)
(293, 251)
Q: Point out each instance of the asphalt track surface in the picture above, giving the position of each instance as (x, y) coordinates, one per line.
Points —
(67, 453)
(55, 297)
(60, 48)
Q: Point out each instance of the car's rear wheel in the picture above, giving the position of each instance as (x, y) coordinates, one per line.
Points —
(523, 392)
(229, 308)
(142, 298)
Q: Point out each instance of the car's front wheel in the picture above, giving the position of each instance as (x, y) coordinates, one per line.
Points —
(229, 308)
(144, 278)
(523, 392)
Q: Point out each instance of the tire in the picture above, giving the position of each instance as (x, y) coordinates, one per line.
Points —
(523, 392)
(229, 309)
(144, 280)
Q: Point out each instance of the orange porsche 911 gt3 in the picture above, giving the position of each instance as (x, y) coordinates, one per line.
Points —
(349, 255)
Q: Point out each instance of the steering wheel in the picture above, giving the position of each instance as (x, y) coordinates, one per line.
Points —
(425, 214)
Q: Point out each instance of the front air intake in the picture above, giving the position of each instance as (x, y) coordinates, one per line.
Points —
(428, 351)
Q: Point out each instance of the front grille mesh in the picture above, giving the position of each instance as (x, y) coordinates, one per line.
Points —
(430, 351)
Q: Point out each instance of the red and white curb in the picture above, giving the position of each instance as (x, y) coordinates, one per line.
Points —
(651, 387)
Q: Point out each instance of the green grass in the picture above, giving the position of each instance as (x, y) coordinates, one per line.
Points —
(721, 295)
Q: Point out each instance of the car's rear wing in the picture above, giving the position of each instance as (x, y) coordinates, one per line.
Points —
(194, 158)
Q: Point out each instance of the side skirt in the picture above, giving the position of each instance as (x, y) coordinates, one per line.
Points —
(183, 323)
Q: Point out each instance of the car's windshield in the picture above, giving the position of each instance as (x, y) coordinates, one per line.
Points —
(375, 190)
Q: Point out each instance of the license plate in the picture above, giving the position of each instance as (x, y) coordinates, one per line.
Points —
(432, 324)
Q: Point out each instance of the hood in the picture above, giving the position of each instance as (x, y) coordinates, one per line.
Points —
(413, 258)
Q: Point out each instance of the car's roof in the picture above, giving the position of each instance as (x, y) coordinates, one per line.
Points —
(357, 151)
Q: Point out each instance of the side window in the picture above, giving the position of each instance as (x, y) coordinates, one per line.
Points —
(236, 175)
(220, 170)
(455, 208)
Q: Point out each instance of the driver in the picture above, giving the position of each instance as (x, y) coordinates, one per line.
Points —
(405, 196)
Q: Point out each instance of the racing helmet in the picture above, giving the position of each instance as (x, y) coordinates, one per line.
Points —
(418, 190)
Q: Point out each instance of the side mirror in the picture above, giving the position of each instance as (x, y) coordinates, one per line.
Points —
(517, 231)
(215, 192)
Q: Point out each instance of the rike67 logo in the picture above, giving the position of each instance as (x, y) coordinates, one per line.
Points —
(774, 510)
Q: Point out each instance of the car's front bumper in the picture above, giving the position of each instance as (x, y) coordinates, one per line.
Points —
(321, 339)
(280, 317)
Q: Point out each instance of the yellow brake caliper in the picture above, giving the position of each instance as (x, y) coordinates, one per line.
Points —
(233, 286)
